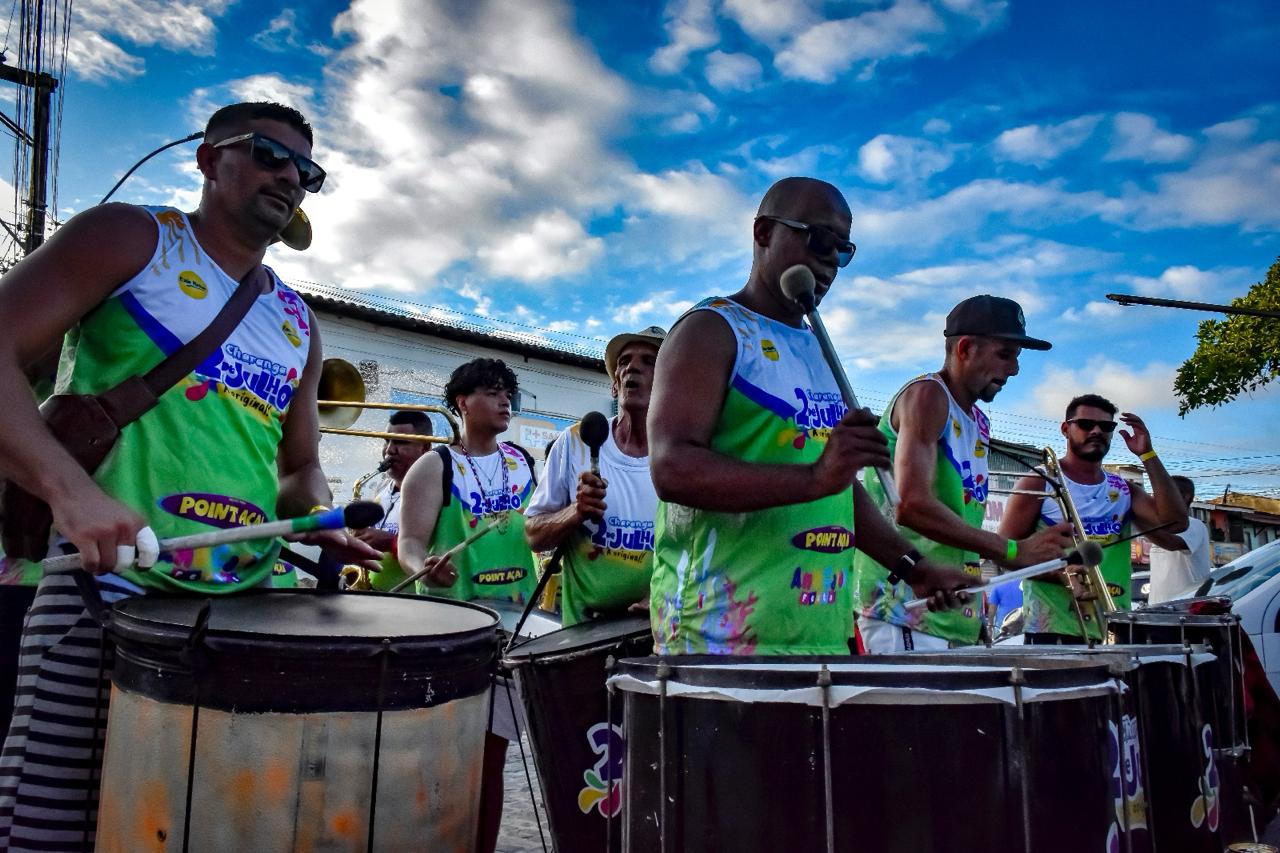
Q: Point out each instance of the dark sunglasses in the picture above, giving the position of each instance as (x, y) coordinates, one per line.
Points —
(822, 241)
(1087, 424)
(273, 155)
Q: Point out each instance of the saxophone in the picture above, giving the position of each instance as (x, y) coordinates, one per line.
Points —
(357, 577)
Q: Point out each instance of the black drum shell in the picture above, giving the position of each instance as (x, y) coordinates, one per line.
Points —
(1164, 701)
(910, 777)
(561, 678)
(326, 651)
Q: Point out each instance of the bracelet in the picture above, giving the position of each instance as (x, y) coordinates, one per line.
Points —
(1150, 454)
(1011, 550)
(904, 567)
(318, 508)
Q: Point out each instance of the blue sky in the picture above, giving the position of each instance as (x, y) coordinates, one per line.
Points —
(584, 169)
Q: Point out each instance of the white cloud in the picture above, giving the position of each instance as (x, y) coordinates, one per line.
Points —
(1039, 145)
(186, 26)
(1136, 137)
(906, 28)
(92, 57)
(726, 71)
(937, 127)
(767, 20)
(1227, 185)
(1190, 282)
(1133, 389)
(553, 244)
(690, 26)
(282, 33)
(659, 308)
(887, 158)
(1237, 130)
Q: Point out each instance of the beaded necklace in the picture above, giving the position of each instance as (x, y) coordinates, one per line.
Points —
(486, 483)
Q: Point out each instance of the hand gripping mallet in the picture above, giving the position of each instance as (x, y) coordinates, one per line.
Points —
(798, 285)
(594, 432)
(354, 515)
(1088, 554)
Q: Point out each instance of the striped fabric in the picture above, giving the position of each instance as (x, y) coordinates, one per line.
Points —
(52, 758)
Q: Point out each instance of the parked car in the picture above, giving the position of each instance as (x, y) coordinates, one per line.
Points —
(1252, 582)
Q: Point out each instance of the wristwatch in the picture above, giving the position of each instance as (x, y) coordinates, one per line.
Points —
(905, 567)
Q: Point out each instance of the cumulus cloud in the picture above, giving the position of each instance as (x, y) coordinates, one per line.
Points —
(730, 71)
(1039, 145)
(1230, 184)
(906, 28)
(691, 27)
(1133, 389)
(283, 33)
(449, 129)
(887, 158)
(93, 53)
(768, 20)
(1137, 137)
(1190, 282)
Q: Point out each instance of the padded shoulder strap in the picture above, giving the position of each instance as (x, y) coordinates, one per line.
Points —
(446, 473)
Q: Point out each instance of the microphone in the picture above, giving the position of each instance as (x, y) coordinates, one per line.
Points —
(798, 285)
(594, 432)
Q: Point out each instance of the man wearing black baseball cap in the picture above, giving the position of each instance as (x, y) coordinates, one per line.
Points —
(938, 441)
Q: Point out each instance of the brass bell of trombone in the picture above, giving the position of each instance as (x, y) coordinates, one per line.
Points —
(341, 397)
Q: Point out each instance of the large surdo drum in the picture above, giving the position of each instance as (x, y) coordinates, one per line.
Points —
(576, 735)
(843, 754)
(296, 721)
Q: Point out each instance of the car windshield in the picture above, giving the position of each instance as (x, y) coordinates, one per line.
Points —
(1244, 574)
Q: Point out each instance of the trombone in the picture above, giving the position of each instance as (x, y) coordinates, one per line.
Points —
(342, 396)
(1097, 598)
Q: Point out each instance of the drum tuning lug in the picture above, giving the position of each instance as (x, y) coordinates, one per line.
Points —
(824, 677)
(610, 664)
(663, 671)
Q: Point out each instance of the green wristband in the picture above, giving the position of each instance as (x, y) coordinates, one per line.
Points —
(1011, 550)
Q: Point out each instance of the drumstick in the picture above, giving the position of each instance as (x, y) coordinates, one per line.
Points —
(451, 553)
(355, 515)
(1089, 553)
(798, 286)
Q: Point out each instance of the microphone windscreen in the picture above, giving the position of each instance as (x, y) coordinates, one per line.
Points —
(798, 285)
(594, 431)
(1090, 553)
(361, 514)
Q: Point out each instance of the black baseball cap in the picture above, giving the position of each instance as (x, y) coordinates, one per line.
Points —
(992, 317)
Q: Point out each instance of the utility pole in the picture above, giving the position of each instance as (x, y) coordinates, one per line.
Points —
(43, 87)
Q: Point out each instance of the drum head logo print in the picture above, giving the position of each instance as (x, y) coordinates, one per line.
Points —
(604, 779)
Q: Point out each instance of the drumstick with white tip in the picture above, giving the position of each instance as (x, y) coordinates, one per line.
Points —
(798, 285)
(447, 555)
(1089, 553)
(354, 515)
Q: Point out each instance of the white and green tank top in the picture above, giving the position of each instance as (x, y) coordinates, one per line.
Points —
(774, 581)
(960, 484)
(205, 456)
(1105, 510)
(485, 490)
(607, 564)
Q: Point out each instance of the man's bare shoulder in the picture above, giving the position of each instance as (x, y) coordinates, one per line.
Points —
(699, 332)
(922, 405)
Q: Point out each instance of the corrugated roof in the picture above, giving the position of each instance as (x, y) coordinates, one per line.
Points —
(452, 325)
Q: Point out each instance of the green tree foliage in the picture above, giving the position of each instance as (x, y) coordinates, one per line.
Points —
(1234, 355)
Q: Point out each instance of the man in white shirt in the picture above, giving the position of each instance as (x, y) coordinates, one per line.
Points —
(1179, 561)
(606, 521)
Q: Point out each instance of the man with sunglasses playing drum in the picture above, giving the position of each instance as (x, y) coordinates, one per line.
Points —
(1107, 504)
(755, 459)
(129, 285)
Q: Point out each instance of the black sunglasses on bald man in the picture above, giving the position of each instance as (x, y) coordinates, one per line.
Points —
(821, 240)
(1087, 424)
(273, 155)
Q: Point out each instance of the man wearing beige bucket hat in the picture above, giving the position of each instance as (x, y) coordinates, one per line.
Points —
(605, 520)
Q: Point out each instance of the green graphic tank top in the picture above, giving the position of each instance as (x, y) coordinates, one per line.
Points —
(499, 564)
(205, 457)
(1104, 510)
(775, 581)
(960, 484)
